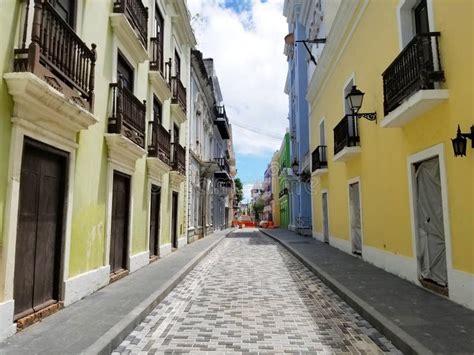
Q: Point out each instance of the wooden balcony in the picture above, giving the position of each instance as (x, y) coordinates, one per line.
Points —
(156, 55)
(179, 159)
(319, 159)
(417, 68)
(222, 122)
(178, 94)
(128, 115)
(57, 56)
(346, 138)
(136, 14)
(160, 143)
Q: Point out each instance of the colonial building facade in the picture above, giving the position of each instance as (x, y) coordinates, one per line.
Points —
(387, 186)
(93, 127)
(210, 179)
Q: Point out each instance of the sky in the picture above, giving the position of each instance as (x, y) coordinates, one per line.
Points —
(245, 38)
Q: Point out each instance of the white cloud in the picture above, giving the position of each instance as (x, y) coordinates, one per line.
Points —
(247, 48)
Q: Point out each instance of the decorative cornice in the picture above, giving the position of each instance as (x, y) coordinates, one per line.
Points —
(339, 35)
(122, 151)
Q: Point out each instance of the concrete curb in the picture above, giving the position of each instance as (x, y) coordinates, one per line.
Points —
(400, 338)
(110, 340)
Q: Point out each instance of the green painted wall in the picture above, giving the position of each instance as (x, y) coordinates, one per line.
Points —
(284, 212)
(284, 161)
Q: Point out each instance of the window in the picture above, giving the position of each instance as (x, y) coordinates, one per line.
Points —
(322, 133)
(124, 72)
(420, 14)
(347, 89)
(157, 115)
(176, 133)
(177, 65)
(414, 18)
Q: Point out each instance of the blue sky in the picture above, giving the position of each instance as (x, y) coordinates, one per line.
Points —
(245, 39)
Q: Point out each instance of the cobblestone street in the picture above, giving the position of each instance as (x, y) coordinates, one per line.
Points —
(251, 295)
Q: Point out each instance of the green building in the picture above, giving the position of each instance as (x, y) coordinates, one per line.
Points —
(284, 162)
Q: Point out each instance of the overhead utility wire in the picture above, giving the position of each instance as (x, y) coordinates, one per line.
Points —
(257, 131)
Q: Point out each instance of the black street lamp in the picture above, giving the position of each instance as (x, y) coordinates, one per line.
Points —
(460, 142)
(355, 98)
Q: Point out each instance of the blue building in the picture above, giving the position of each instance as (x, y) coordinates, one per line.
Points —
(296, 88)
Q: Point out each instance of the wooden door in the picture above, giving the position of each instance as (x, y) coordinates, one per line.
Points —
(177, 65)
(355, 218)
(125, 73)
(120, 216)
(40, 228)
(66, 9)
(420, 13)
(155, 221)
(174, 220)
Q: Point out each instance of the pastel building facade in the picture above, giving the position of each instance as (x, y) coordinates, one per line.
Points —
(391, 190)
(92, 156)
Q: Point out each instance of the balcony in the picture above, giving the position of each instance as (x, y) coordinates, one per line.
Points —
(179, 159)
(222, 122)
(223, 171)
(319, 163)
(130, 24)
(54, 75)
(346, 139)
(160, 72)
(411, 82)
(178, 99)
(159, 149)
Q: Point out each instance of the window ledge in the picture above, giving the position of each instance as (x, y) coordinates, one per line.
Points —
(416, 105)
(319, 172)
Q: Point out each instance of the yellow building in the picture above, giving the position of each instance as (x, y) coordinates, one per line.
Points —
(275, 168)
(92, 133)
(391, 190)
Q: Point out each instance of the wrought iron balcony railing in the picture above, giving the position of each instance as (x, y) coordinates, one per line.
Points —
(417, 67)
(223, 164)
(179, 158)
(179, 93)
(319, 158)
(221, 113)
(128, 115)
(346, 133)
(136, 14)
(159, 145)
(58, 55)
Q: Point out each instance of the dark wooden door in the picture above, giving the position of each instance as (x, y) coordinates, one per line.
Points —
(125, 73)
(120, 215)
(39, 234)
(66, 9)
(174, 220)
(177, 65)
(421, 17)
(155, 220)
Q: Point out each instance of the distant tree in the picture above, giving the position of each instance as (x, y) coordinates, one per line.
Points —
(239, 190)
(257, 208)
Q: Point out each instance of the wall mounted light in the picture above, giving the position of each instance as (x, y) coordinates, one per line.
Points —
(460, 142)
(355, 98)
(290, 40)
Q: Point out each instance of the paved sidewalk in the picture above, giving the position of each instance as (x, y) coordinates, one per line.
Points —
(99, 322)
(414, 319)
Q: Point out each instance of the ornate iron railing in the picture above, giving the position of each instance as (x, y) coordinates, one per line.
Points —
(319, 158)
(417, 67)
(221, 113)
(156, 60)
(159, 145)
(179, 158)
(223, 164)
(136, 14)
(128, 115)
(58, 55)
(179, 92)
(346, 133)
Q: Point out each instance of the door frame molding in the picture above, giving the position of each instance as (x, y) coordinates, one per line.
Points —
(325, 191)
(349, 183)
(156, 182)
(112, 166)
(436, 151)
(20, 130)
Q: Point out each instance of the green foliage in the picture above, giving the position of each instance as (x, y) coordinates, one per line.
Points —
(239, 190)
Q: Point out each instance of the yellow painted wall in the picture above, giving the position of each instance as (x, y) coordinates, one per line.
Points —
(382, 165)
